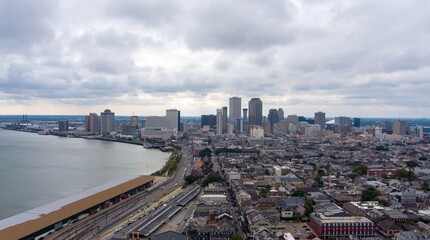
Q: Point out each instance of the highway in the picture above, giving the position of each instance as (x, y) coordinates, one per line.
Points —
(107, 220)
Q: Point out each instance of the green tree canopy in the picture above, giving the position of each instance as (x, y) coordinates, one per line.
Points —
(361, 169)
(370, 194)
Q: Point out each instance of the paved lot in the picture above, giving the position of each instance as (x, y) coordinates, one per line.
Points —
(297, 229)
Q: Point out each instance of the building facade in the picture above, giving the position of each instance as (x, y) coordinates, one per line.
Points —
(173, 119)
(92, 123)
(319, 118)
(107, 121)
(399, 127)
(255, 108)
(235, 105)
(341, 227)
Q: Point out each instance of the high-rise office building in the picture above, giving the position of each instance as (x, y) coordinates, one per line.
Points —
(173, 119)
(224, 120)
(399, 127)
(245, 115)
(63, 125)
(134, 121)
(208, 120)
(273, 117)
(357, 122)
(92, 123)
(280, 114)
(219, 121)
(320, 119)
(107, 121)
(235, 107)
(293, 119)
(255, 108)
(342, 121)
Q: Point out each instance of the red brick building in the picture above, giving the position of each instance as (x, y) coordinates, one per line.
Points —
(341, 227)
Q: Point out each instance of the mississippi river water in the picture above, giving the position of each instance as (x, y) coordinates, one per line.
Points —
(36, 170)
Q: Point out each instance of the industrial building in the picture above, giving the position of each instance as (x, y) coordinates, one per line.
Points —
(52, 216)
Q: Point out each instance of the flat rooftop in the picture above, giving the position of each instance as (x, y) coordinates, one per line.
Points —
(24, 224)
(343, 219)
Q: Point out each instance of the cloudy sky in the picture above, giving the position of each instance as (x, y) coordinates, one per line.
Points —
(355, 58)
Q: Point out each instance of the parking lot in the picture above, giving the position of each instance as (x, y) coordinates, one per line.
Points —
(298, 229)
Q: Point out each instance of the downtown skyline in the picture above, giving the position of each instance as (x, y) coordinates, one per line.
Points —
(364, 59)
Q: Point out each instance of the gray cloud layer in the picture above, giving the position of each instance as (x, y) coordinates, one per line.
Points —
(336, 56)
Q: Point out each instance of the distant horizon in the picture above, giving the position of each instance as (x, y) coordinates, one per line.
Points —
(198, 116)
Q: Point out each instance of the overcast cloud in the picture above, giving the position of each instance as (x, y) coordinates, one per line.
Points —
(354, 58)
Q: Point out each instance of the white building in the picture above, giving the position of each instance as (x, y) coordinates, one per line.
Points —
(173, 119)
(162, 133)
(155, 122)
(256, 131)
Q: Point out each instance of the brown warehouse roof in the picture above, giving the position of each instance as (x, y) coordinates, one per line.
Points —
(39, 218)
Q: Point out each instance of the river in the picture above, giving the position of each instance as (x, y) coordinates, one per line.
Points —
(36, 170)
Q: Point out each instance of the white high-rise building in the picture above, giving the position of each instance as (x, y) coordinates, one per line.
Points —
(235, 108)
(155, 122)
(219, 121)
(173, 119)
(107, 121)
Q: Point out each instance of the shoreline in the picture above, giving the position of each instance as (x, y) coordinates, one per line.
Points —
(110, 140)
(85, 137)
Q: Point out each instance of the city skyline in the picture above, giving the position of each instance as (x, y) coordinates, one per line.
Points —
(341, 58)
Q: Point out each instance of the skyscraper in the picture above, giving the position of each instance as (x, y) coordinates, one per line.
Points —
(224, 119)
(235, 105)
(219, 121)
(320, 119)
(208, 120)
(245, 115)
(173, 119)
(357, 122)
(399, 127)
(273, 117)
(134, 121)
(107, 121)
(342, 121)
(280, 114)
(255, 107)
(63, 125)
(92, 123)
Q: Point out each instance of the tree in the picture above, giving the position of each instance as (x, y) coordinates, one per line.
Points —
(309, 207)
(236, 236)
(205, 153)
(212, 177)
(426, 186)
(262, 193)
(361, 169)
(190, 179)
(384, 202)
(404, 173)
(370, 194)
(298, 193)
(411, 164)
(319, 180)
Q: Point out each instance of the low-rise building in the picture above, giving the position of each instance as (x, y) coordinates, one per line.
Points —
(341, 227)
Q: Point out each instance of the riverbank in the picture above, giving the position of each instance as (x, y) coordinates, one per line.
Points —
(93, 137)
(37, 170)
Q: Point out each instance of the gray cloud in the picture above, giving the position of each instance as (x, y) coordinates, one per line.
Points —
(301, 55)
